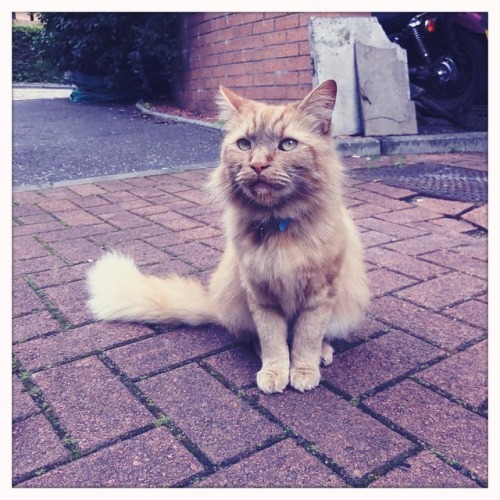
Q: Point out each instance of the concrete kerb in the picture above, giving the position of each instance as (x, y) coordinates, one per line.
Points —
(463, 142)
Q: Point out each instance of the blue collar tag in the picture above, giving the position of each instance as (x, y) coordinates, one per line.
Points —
(283, 223)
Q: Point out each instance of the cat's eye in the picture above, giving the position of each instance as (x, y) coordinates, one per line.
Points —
(287, 144)
(244, 144)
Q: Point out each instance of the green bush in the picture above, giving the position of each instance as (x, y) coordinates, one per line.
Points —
(28, 62)
(115, 54)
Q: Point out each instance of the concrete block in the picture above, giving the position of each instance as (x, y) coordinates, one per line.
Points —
(332, 42)
(383, 87)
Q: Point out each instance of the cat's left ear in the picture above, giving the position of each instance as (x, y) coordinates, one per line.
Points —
(228, 103)
(320, 103)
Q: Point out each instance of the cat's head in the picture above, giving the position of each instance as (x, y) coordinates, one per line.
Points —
(275, 154)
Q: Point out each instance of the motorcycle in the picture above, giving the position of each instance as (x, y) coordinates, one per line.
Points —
(447, 58)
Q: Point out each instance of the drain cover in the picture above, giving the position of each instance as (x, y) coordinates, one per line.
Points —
(439, 181)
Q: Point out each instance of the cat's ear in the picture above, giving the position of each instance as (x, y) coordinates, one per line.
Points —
(319, 104)
(228, 103)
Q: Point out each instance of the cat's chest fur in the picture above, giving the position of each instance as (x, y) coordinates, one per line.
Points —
(282, 271)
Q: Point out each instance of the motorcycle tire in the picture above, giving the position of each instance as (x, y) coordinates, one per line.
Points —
(471, 83)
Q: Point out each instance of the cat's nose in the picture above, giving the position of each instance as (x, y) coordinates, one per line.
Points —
(258, 167)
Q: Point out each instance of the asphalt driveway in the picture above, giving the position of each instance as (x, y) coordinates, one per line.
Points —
(56, 140)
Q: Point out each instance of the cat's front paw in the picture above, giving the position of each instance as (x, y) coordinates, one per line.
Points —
(273, 379)
(304, 378)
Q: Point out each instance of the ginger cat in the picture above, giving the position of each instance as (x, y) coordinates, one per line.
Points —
(292, 274)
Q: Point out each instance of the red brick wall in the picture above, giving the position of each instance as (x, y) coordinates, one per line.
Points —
(264, 56)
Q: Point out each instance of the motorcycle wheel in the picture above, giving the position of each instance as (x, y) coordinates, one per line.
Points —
(471, 83)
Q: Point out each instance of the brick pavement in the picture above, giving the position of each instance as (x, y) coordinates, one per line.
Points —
(404, 403)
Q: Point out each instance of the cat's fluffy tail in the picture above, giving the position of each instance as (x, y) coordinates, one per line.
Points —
(119, 291)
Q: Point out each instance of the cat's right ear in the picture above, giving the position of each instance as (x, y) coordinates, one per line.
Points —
(228, 103)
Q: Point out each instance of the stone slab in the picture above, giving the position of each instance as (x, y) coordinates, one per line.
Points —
(376, 82)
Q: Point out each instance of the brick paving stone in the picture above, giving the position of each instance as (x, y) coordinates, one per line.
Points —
(404, 264)
(35, 445)
(27, 209)
(377, 361)
(33, 325)
(22, 404)
(283, 465)
(409, 215)
(142, 253)
(386, 190)
(70, 299)
(41, 228)
(120, 197)
(379, 200)
(367, 210)
(478, 216)
(479, 250)
(220, 423)
(398, 230)
(365, 329)
(194, 195)
(76, 343)
(351, 438)
(171, 239)
(444, 332)
(424, 470)
(140, 181)
(153, 459)
(239, 365)
(446, 207)
(197, 254)
(383, 281)
(60, 193)
(208, 208)
(56, 205)
(443, 290)
(474, 312)
(452, 226)
(37, 264)
(87, 190)
(110, 238)
(454, 259)
(36, 219)
(216, 242)
(59, 276)
(147, 192)
(77, 217)
(175, 221)
(213, 219)
(76, 232)
(170, 266)
(456, 432)
(26, 247)
(454, 374)
(122, 219)
(24, 299)
(90, 402)
(160, 351)
(374, 238)
(91, 202)
(76, 251)
(113, 185)
(429, 243)
(25, 197)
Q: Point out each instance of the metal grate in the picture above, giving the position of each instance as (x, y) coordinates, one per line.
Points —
(439, 181)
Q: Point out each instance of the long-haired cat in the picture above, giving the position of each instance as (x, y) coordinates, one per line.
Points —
(292, 274)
